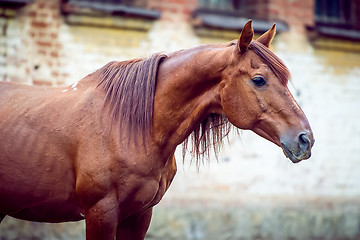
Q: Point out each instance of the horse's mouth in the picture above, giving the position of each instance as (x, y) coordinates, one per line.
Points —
(295, 157)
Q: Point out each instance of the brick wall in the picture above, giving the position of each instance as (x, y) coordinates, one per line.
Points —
(296, 13)
(172, 10)
(43, 25)
(33, 52)
(10, 42)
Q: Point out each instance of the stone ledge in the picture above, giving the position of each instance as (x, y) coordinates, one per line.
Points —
(7, 12)
(109, 21)
(108, 15)
(233, 23)
(14, 3)
(98, 8)
(334, 38)
(330, 43)
(250, 222)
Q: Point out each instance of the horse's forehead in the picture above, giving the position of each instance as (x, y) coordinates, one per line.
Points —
(252, 61)
(256, 63)
(255, 59)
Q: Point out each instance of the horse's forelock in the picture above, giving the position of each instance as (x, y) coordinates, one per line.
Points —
(274, 62)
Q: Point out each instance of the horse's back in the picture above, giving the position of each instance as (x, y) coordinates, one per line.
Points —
(7, 89)
(14, 96)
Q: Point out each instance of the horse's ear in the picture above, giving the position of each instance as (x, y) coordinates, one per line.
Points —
(246, 36)
(267, 37)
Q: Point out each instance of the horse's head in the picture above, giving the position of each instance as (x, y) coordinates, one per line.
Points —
(254, 96)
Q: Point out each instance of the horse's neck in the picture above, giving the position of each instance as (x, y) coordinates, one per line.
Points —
(187, 92)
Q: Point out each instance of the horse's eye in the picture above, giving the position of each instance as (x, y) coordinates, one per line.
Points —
(259, 81)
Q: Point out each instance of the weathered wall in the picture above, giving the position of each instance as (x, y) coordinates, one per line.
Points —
(33, 52)
(253, 192)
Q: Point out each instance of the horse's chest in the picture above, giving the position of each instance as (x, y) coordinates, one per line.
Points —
(151, 189)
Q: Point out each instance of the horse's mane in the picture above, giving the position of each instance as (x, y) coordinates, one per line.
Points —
(210, 133)
(130, 90)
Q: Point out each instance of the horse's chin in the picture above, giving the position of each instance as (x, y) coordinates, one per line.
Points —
(295, 158)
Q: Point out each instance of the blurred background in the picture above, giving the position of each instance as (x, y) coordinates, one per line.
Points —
(252, 191)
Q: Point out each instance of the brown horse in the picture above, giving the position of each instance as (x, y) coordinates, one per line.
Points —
(103, 149)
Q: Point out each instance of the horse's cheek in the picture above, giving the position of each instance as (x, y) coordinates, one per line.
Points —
(235, 107)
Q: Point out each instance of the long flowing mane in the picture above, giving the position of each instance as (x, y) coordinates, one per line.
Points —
(130, 90)
(210, 133)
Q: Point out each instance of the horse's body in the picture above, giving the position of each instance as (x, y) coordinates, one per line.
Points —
(52, 166)
(72, 153)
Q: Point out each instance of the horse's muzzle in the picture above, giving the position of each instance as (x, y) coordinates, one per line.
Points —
(298, 149)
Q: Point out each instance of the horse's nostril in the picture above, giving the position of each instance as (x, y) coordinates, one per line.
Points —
(304, 141)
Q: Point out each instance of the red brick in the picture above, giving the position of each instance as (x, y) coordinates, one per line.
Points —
(41, 82)
(44, 44)
(56, 15)
(41, 51)
(53, 6)
(32, 14)
(32, 34)
(39, 24)
(54, 54)
(54, 35)
(43, 14)
(41, 5)
(183, 2)
(55, 73)
(187, 11)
